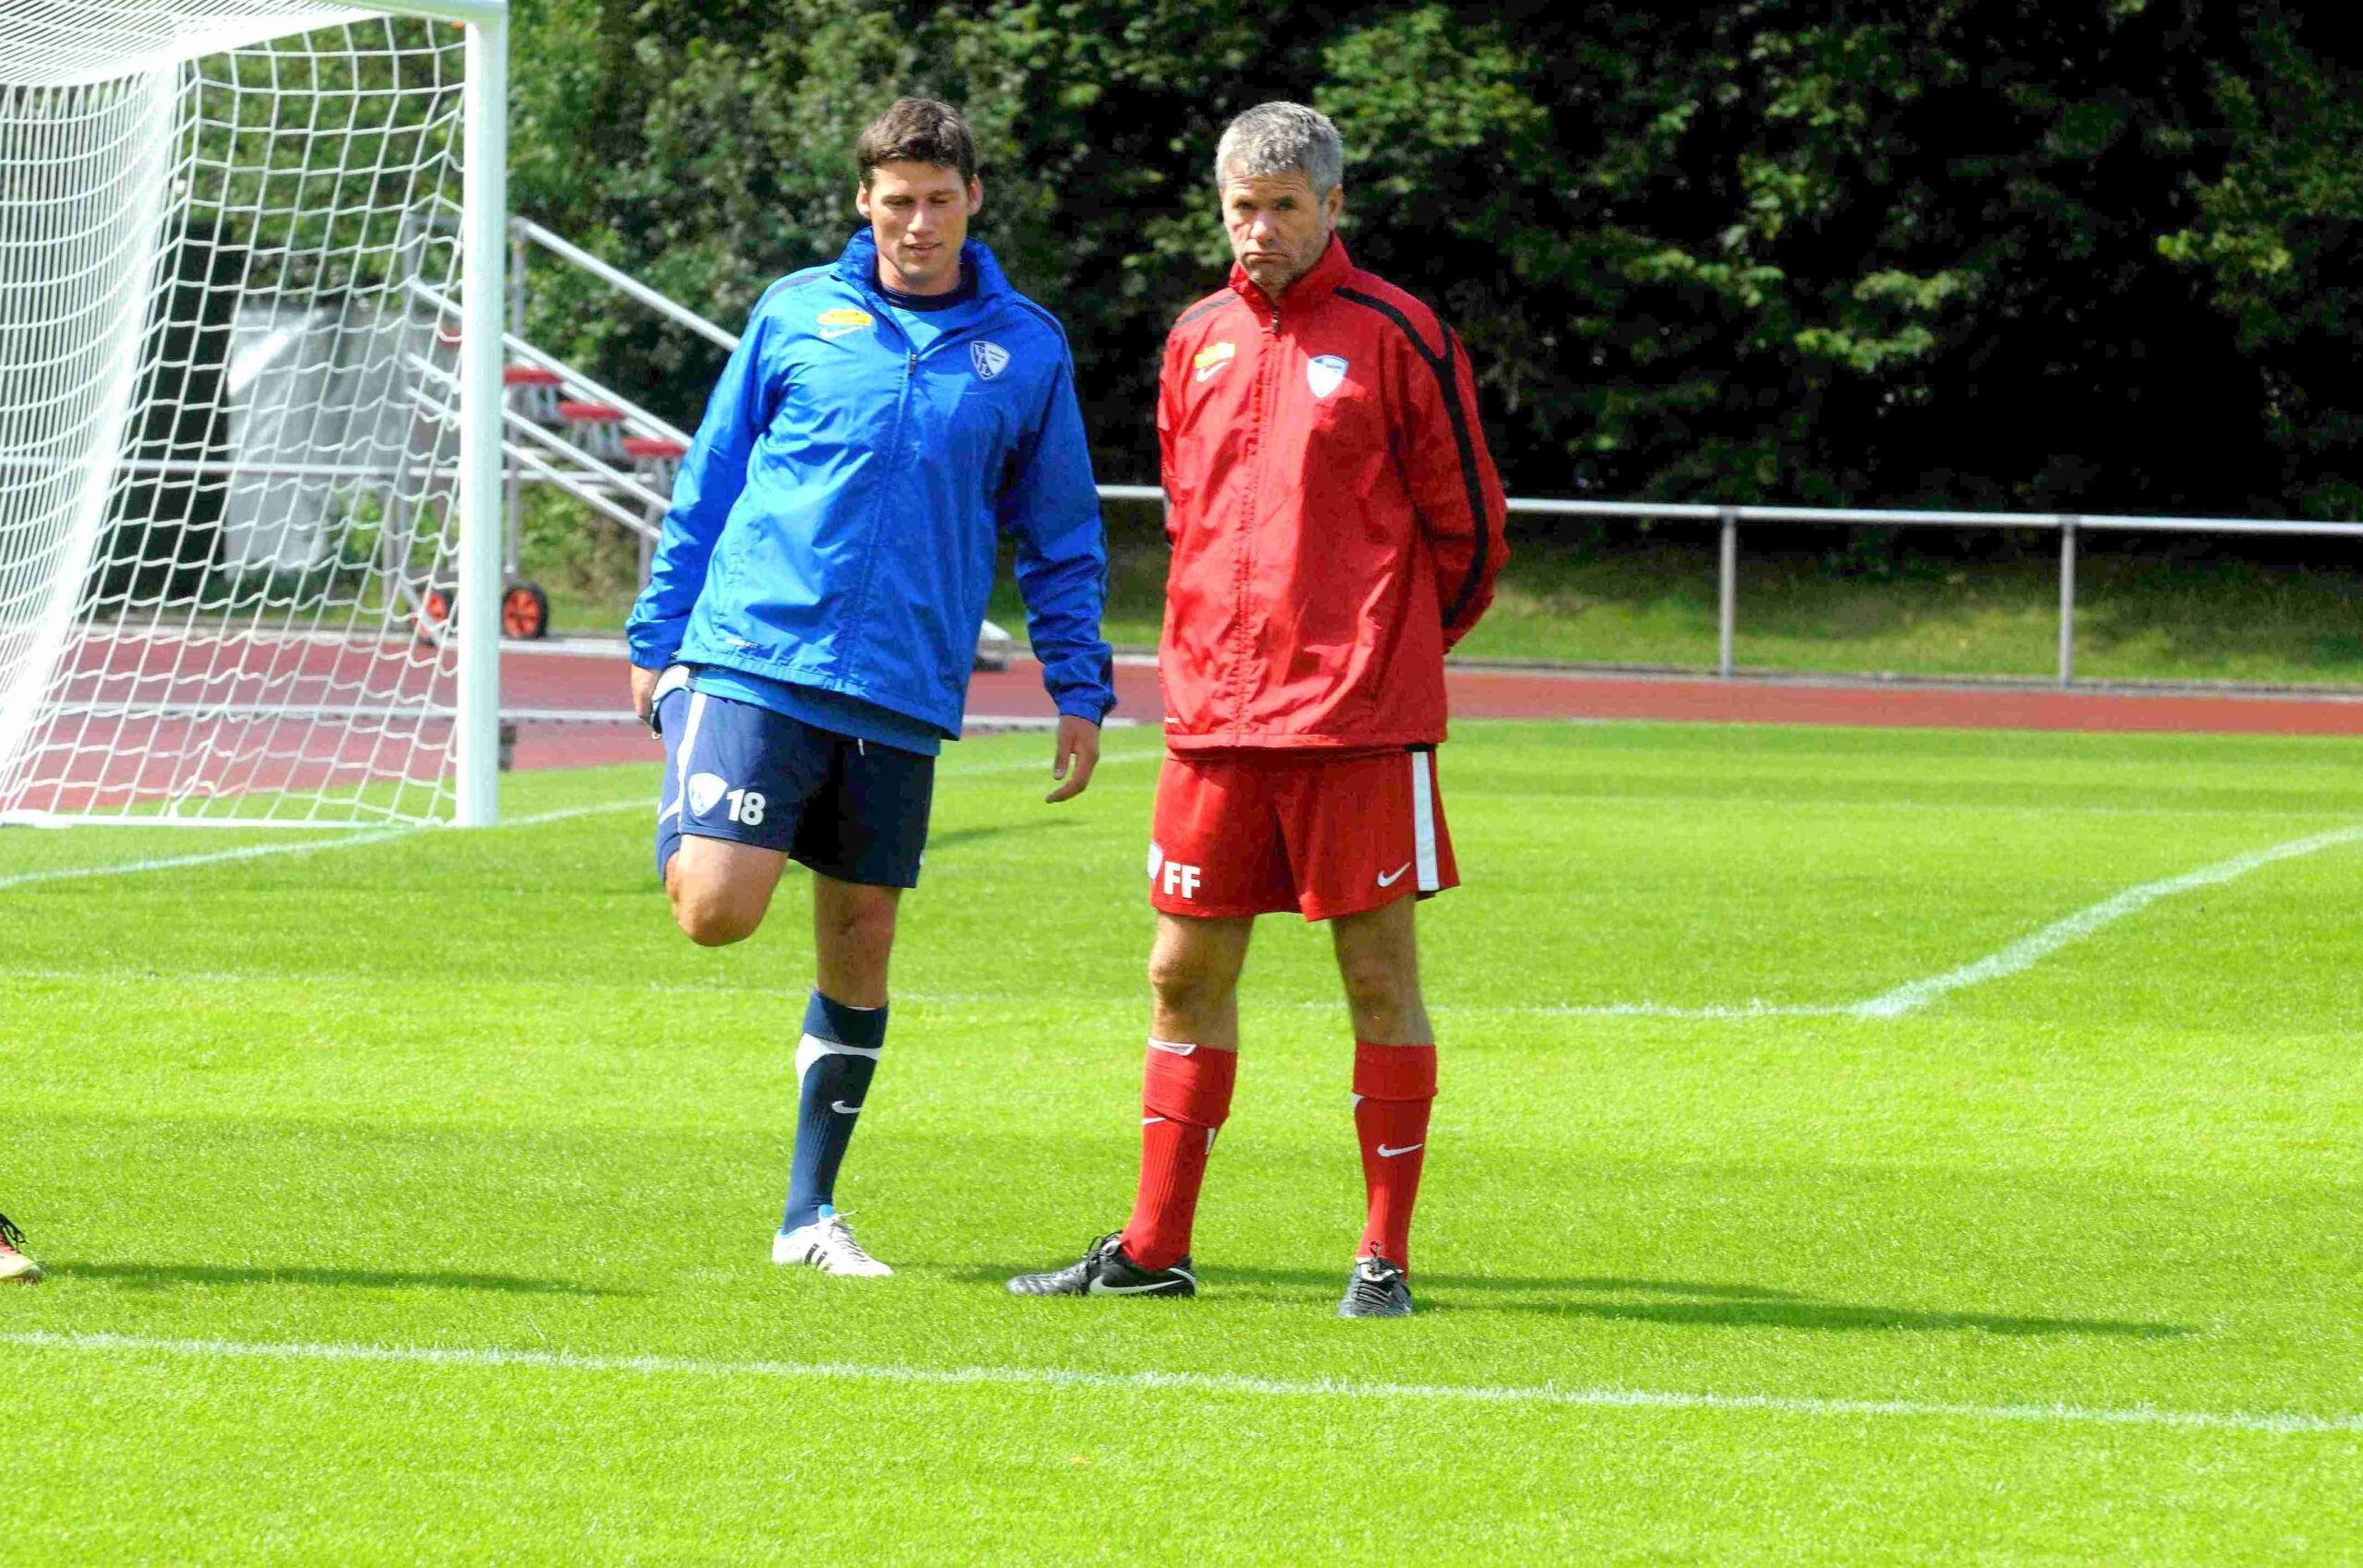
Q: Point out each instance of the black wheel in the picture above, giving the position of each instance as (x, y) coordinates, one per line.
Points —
(524, 612)
(435, 607)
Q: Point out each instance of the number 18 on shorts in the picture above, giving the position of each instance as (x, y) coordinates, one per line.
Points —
(1239, 834)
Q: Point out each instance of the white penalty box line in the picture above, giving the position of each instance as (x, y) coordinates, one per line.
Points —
(1227, 1383)
(2020, 956)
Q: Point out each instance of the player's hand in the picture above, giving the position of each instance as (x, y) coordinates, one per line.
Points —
(644, 691)
(1076, 755)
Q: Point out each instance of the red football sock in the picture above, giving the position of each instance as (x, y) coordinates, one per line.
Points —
(1185, 1094)
(1394, 1086)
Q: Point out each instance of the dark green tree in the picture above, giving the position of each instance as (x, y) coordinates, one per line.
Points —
(2088, 256)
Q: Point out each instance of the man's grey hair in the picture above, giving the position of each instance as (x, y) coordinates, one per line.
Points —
(1282, 138)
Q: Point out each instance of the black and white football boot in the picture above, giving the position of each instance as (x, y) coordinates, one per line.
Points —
(1376, 1289)
(1106, 1270)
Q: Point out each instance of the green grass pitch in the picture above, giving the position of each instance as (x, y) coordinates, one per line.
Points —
(408, 1200)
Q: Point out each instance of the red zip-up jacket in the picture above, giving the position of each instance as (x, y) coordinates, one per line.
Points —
(1335, 519)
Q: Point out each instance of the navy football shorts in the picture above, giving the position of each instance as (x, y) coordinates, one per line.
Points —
(851, 809)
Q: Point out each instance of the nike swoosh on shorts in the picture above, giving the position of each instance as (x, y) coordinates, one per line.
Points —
(1389, 879)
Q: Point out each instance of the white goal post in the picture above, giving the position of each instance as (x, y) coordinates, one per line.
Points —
(250, 410)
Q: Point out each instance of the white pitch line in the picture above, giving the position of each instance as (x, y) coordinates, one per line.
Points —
(1640, 1010)
(2029, 950)
(257, 851)
(211, 858)
(1546, 1394)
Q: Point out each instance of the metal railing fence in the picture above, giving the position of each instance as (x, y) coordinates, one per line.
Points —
(1728, 519)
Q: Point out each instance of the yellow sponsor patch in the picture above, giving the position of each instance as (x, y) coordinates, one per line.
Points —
(1216, 354)
(844, 320)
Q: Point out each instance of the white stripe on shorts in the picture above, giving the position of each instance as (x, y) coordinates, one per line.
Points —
(681, 769)
(1423, 819)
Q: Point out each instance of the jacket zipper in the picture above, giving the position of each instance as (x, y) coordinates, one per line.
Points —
(886, 477)
(1243, 570)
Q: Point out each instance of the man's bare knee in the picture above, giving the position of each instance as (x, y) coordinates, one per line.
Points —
(1185, 981)
(713, 911)
(858, 922)
(1378, 964)
(853, 937)
(1374, 986)
(711, 918)
(721, 891)
(1194, 974)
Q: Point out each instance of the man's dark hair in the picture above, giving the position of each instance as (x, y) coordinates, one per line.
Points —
(917, 130)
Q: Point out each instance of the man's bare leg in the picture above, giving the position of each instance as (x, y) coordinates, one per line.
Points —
(853, 938)
(721, 888)
(1379, 959)
(1194, 971)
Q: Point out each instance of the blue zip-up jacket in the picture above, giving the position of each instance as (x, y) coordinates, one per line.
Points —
(834, 523)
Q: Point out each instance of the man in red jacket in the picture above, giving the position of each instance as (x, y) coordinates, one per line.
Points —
(1337, 524)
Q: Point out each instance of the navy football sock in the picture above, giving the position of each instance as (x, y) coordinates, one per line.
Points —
(833, 1065)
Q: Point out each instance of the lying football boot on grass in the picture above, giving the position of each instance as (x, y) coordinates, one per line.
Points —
(827, 1244)
(1376, 1289)
(15, 1267)
(1106, 1270)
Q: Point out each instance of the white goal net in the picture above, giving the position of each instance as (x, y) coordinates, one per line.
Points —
(246, 278)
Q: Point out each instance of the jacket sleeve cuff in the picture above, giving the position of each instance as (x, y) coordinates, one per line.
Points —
(1094, 706)
(653, 645)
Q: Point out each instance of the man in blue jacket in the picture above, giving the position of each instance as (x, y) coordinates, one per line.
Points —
(805, 641)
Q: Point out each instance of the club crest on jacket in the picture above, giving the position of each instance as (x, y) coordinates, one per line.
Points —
(1325, 373)
(990, 359)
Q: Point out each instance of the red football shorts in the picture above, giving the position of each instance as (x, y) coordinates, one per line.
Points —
(1252, 834)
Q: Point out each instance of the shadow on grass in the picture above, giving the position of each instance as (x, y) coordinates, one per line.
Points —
(164, 1277)
(941, 841)
(1718, 1306)
(973, 1273)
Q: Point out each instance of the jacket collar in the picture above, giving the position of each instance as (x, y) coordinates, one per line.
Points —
(1318, 283)
(858, 265)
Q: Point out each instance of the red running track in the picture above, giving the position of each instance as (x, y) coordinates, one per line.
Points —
(398, 687)
(546, 681)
